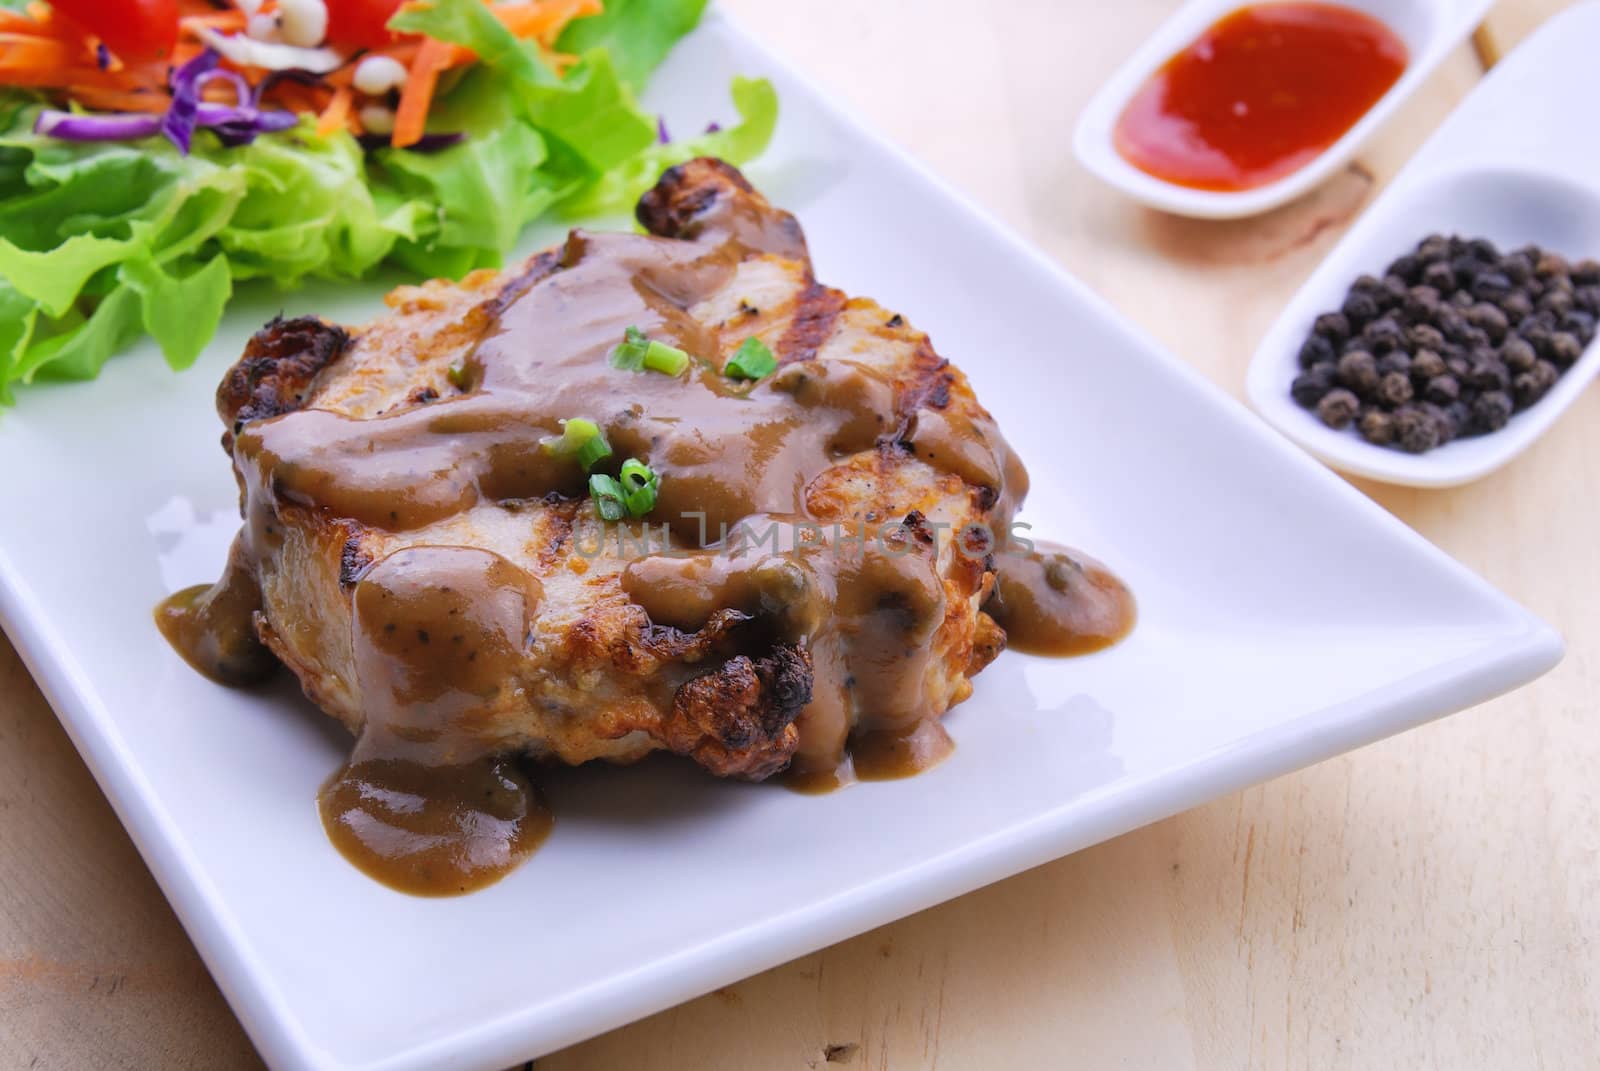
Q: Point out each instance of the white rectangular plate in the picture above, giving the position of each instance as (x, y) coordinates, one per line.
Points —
(1285, 618)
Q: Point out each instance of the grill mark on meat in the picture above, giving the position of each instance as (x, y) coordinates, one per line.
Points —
(276, 373)
(816, 312)
(536, 271)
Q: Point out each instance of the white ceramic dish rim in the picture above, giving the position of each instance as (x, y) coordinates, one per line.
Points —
(661, 983)
(1094, 147)
(1441, 161)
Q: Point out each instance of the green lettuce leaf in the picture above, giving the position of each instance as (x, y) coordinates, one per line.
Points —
(620, 188)
(637, 34)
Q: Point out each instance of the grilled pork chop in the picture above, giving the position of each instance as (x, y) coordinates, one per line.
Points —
(812, 573)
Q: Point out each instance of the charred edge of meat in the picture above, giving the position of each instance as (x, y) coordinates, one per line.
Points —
(536, 270)
(988, 640)
(275, 374)
(707, 193)
(354, 560)
(676, 205)
(738, 720)
(815, 312)
(675, 645)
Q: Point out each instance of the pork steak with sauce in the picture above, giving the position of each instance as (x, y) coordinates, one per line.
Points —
(431, 573)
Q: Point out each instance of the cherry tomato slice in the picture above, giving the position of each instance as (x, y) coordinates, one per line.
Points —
(133, 29)
(362, 23)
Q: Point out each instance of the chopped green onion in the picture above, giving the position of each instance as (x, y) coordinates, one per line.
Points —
(632, 493)
(639, 485)
(752, 360)
(580, 439)
(660, 357)
(639, 352)
(457, 375)
(630, 355)
(608, 498)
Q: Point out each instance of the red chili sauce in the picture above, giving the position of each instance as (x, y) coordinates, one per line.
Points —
(1259, 95)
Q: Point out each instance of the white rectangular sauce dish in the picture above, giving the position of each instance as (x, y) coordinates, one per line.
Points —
(1429, 28)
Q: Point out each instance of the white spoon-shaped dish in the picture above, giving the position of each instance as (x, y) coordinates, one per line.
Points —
(1430, 29)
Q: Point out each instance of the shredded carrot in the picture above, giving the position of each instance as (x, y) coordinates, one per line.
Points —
(221, 21)
(122, 100)
(336, 116)
(411, 118)
(544, 19)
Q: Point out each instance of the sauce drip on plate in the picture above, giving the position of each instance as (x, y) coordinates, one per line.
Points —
(1056, 601)
(1259, 94)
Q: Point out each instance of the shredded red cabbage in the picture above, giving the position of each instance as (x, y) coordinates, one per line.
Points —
(70, 127)
(179, 122)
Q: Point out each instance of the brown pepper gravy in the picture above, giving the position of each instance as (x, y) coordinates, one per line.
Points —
(428, 803)
(434, 830)
(1052, 600)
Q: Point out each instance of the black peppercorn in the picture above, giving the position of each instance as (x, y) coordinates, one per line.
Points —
(1487, 372)
(1517, 354)
(1415, 430)
(1433, 247)
(1457, 366)
(1557, 301)
(1483, 250)
(1550, 265)
(1333, 326)
(1565, 349)
(1394, 390)
(1580, 323)
(1463, 299)
(1518, 267)
(1309, 386)
(1444, 422)
(1489, 319)
(1338, 408)
(1426, 364)
(1358, 370)
(1422, 303)
(1460, 415)
(1586, 272)
(1314, 350)
(1442, 390)
(1587, 298)
(1439, 275)
(1423, 336)
(1407, 267)
(1490, 285)
(1395, 361)
(1492, 409)
(1534, 384)
(1359, 308)
(1516, 305)
(1377, 427)
(1383, 334)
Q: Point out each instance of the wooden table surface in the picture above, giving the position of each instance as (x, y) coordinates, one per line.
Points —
(1430, 901)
